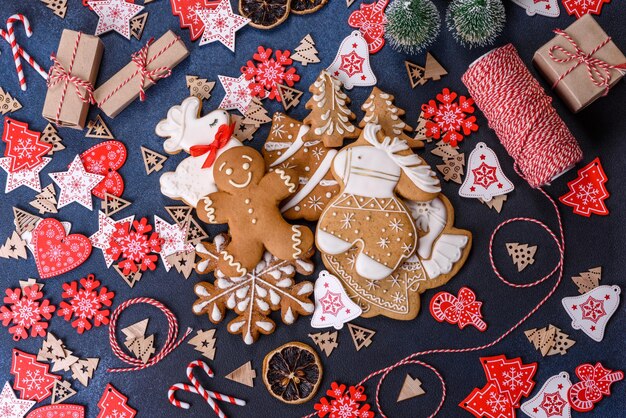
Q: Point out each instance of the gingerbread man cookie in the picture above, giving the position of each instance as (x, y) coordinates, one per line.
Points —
(285, 147)
(368, 214)
(248, 201)
(204, 138)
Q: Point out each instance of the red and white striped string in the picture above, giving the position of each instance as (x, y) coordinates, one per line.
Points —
(18, 51)
(170, 343)
(522, 115)
(197, 388)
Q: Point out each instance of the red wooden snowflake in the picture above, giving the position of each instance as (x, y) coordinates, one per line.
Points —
(85, 305)
(269, 72)
(27, 311)
(448, 120)
(136, 247)
(344, 404)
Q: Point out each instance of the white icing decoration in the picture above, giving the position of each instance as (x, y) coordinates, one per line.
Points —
(341, 122)
(313, 181)
(430, 217)
(293, 148)
(447, 250)
(286, 180)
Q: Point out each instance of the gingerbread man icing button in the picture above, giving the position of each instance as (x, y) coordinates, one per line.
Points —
(248, 201)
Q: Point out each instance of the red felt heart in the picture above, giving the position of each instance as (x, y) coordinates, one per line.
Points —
(104, 159)
(55, 252)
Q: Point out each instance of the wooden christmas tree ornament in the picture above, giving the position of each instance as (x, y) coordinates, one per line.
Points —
(243, 132)
(326, 341)
(289, 96)
(184, 262)
(244, 375)
(58, 7)
(137, 24)
(61, 391)
(51, 348)
(588, 280)
(199, 87)
(194, 232)
(522, 254)
(549, 340)
(420, 130)
(46, 201)
(410, 389)
(14, 247)
(180, 214)
(204, 342)
(416, 74)
(24, 221)
(64, 362)
(256, 114)
(31, 282)
(83, 370)
(130, 278)
(51, 136)
(152, 160)
(361, 337)
(496, 203)
(433, 70)
(306, 53)
(98, 129)
(113, 204)
(7, 103)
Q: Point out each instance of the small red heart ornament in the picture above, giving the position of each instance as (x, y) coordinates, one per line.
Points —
(55, 252)
(105, 159)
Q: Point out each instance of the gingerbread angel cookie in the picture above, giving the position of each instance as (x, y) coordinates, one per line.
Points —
(367, 213)
(285, 147)
(248, 201)
(205, 138)
(442, 252)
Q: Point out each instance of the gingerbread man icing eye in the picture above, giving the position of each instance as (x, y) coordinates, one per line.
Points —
(246, 166)
(229, 171)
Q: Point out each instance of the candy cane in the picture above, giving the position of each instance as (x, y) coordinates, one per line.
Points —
(9, 36)
(197, 388)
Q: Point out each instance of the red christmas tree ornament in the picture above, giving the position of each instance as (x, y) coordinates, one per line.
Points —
(448, 119)
(23, 146)
(186, 10)
(268, 72)
(595, 382)
(510, 376)
(579, 8)
(105, 159)
(112, 404)
(32, 378)
(27, 310)
(135, 246)
(370, 20)
(342, 403)
(588, 193)
(462, 310)
(55, 251)
(488, 402)
(86, 304)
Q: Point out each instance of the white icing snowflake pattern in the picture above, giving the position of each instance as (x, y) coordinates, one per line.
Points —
(319, 153)
(398, 298)
(383, 242)
(315, 203)
(278, 130)
(346, 222)
(396, 225)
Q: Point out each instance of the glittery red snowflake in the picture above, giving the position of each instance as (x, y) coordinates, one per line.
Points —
(350, 404)
(85, 304)
(136, 247)
(268, 72)
(27, 311)
(447, 119)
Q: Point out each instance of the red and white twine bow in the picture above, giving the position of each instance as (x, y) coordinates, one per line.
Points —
(463, 310)
(140, 58)
(595, 381)
(58, 74)
(599, 70)
(194, 386)
(170, 344)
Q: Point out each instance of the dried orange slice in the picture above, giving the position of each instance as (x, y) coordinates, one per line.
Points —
(292, 373)
(303, 7)
(265, 14)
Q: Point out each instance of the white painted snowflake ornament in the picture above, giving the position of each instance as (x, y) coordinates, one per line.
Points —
(485, 178)
(352, 62)
(114, 15)
(591, 312)
(548, 8)
(551, 401)
(333, 306)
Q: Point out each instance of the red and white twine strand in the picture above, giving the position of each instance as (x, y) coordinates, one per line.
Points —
(170, 344)
(522, 115)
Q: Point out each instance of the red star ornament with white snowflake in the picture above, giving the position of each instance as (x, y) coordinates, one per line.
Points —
(370, 20)
(25, 310)
(485, 178)
(76, 184)
(221, 24)
(551, 400)
(510, 376)
(333, 306)
(173, 240)
(27, 177)
(588, 193)
(32, 378)
(12, 406)
(113, 404)
(352, 62)
(114, 15)
(238, 94)
(548, 8)
(187, 12)
(591, 311)
(24, 148)
(102, 238)
(579, 8)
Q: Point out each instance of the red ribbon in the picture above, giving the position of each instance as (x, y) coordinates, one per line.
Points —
(223, 135)
(140, 58)
(599, 70)
(58, 74)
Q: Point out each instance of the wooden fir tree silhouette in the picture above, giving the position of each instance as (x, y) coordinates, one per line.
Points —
(521, 254)
(306, 53)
